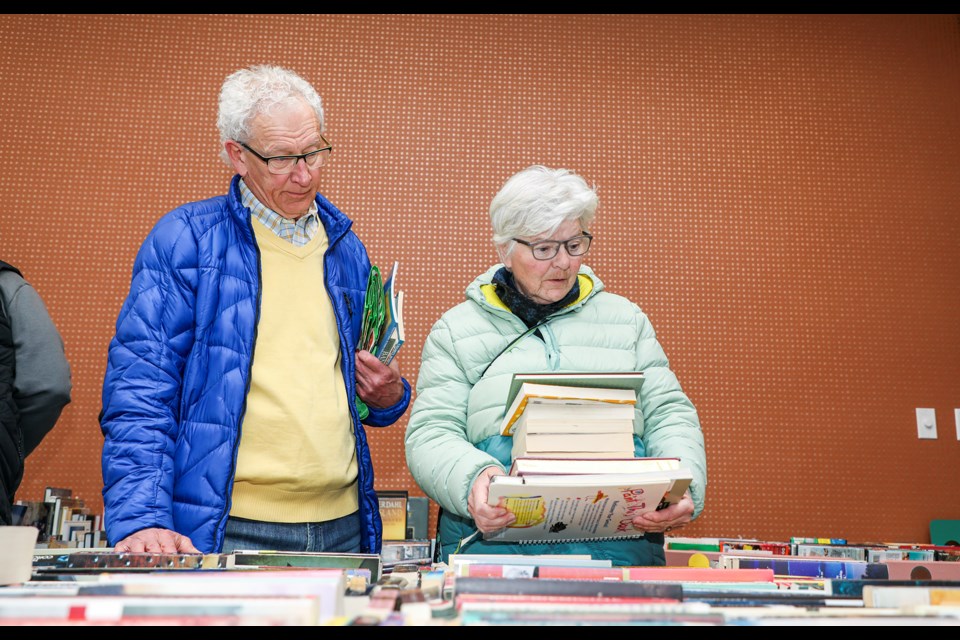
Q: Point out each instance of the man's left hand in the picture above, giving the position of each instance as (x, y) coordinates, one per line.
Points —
(378, 385)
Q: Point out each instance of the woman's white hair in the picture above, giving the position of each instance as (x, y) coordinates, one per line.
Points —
(536, 201)
(249, 92)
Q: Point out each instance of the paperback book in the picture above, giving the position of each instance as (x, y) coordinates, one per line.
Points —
(570, 508)
(391, 333)
(563, 395)
(523, 466)
(393, 514)
(580, 469)
(382, 332)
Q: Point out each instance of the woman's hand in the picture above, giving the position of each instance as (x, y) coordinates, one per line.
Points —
(673, 517)
(488, 518)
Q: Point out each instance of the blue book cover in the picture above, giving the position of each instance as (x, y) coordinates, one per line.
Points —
(828, 569)
(391, 334)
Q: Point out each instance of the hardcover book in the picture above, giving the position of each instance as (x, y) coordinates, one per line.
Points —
(393, 513)
(581, 469)
(395, 552)
(576, 455)
(460, 563)
(569, 508)
(605, 417)
(524, 442)
(903, 597)
(418, 518)
(564, 395)
(840, 569)
(697, 574)
(571, 590)
(552, 466)
(616, 379)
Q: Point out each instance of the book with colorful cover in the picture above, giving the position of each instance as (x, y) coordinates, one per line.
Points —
(578, 470)
(459, 563)
(571, 508)
(393, 513)
(698, 574)
(381, 331)
(391, 332)
(807, 567)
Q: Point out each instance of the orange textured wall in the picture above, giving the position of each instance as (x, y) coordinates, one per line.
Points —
(780, 193)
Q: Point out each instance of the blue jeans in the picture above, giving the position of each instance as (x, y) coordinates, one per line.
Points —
(341, 535)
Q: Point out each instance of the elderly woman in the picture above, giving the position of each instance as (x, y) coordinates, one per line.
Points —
(542, 309)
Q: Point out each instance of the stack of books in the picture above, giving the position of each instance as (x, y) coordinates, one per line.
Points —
(568, 390)
(574, 475)
(62, 520)
(572, 415)
(565, 429)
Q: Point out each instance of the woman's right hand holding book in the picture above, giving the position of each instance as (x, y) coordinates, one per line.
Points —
(489, 518)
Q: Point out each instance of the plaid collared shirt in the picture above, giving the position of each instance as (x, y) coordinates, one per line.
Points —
(297, 232)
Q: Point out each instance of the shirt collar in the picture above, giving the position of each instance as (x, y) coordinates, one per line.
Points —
(299, 231)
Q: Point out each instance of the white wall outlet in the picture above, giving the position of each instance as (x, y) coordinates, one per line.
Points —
(956, 417)
(926, 424)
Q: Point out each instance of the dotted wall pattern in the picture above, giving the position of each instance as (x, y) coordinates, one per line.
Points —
(779, 193)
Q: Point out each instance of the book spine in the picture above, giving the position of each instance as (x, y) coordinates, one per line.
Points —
(555, 587)
(589, 539)
(582, 573)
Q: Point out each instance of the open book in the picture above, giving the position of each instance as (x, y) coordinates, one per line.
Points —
(567, 508)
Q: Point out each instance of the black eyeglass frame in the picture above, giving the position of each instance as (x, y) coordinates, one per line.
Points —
(557, 244)
(296, 158)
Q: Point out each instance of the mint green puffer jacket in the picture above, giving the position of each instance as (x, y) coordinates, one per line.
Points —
(453, 431)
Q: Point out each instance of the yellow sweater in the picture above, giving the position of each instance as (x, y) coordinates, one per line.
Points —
(297, 460)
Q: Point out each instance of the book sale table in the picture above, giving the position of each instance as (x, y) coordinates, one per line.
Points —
(741, 586)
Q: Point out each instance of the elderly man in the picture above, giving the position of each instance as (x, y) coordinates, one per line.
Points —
(229, 402)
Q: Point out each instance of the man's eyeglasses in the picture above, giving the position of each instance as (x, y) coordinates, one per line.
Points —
(547, 249)
(286, 164)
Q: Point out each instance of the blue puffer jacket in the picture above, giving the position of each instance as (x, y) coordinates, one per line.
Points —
(178, 370)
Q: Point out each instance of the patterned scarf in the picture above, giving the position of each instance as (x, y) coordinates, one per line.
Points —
(523, 307)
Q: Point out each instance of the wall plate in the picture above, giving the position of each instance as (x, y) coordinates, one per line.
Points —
(926, 424)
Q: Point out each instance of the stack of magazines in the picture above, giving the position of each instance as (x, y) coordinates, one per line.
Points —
(382, 330)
